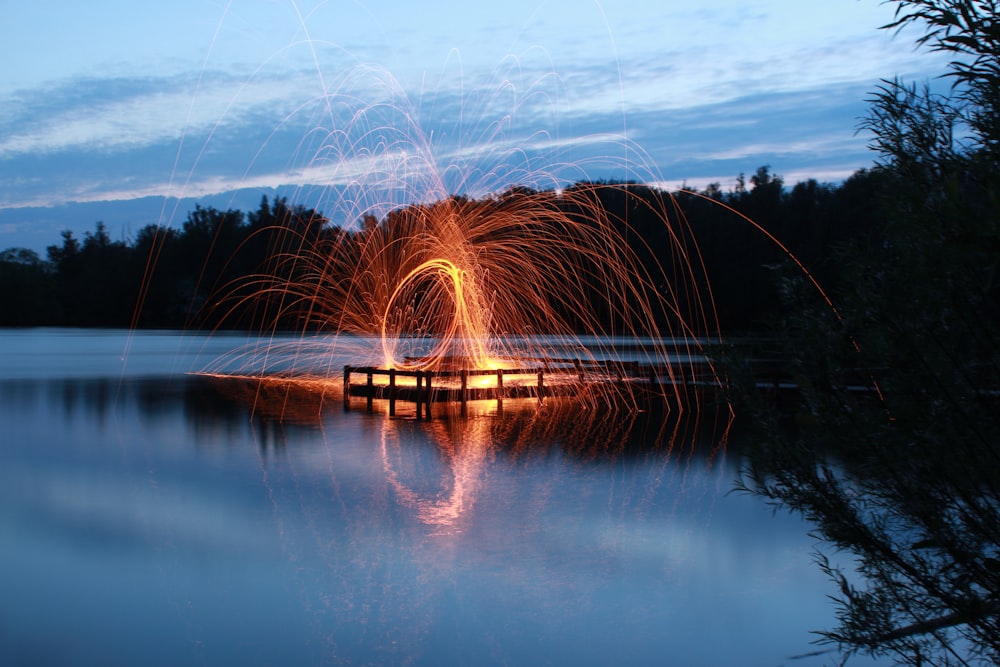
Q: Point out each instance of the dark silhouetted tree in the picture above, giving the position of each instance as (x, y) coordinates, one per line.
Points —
(895, 454)
(28, 294)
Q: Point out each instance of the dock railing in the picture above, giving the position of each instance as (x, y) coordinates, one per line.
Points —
(454, 385)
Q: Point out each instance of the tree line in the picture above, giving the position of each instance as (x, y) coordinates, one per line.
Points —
(162, 278)
(204, 274)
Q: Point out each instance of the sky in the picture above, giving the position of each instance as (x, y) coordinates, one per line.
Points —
(130, 113)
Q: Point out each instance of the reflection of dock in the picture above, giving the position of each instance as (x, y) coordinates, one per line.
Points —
(551, 377)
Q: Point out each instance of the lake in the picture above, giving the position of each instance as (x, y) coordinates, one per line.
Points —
(151, 516)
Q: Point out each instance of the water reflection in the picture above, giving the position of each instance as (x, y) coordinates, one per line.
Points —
(542, 535)
(171, 519)
(440, 503)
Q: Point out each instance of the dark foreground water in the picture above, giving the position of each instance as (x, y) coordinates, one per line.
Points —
(149, 517)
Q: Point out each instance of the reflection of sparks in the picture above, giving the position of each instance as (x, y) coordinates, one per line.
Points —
(443, 510)
(445, 500)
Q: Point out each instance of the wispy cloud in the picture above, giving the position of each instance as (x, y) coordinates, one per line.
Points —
(437, 100)
(119, 114)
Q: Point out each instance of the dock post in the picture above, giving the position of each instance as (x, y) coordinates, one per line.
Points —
(420, 384)
(347, 387)
(463, 395)
(541, 386)
(427, 408)
(371, 390)
(392, 392)
(500, 389)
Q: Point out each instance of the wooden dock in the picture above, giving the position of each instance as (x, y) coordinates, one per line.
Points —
(553, 377)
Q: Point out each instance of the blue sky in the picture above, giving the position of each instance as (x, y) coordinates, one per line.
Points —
(108, 108)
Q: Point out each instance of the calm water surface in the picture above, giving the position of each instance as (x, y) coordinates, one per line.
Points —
(152, 517)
